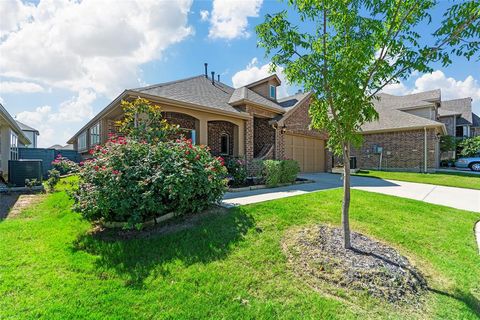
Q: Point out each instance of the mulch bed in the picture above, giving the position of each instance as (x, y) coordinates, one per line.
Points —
(317, 255)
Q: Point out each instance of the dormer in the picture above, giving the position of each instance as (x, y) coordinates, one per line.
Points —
(266, 87)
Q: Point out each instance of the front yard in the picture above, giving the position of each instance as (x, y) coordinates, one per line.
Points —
(454, 179)
(228, 264)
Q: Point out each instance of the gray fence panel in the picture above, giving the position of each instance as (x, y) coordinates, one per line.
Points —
(47, 156)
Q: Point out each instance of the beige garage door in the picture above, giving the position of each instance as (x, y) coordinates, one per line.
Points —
(309, 152)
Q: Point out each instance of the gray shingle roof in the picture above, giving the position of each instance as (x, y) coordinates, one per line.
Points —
(291, 102)
(392, 119)
(391, 116)
(197, 90)
(245, 94)
(442, 112)
(25, 127)
(462, 106)
(475, 120)
(13, 124)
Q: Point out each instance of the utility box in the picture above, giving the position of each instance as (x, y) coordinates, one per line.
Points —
(19, 170)
(353, 163)
(377, 149)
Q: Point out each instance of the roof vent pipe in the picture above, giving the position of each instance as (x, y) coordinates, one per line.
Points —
(206, 71)
(213, 77)
(218, 78)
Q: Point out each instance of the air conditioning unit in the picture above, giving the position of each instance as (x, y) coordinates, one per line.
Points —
(19, 170)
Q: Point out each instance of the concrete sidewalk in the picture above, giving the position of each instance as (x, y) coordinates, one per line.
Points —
(465, 199)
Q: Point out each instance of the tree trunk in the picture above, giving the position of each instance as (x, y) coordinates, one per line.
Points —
(346, 196)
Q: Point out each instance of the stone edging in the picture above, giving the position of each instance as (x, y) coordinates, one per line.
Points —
(476, 230)
(116, 225)
(21, 189)
(263, 186)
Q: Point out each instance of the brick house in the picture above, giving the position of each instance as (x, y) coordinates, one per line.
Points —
(406, 136)
(248, 122)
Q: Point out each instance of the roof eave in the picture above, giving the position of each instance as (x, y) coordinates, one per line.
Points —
(262, 106)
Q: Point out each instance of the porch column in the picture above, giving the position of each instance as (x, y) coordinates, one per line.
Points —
(240, 139)
(203, 131)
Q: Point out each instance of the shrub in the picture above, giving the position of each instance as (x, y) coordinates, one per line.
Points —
(272, 172)
(280, 171)
(133, 181)
(470, 147)
(64, 165)
(290, 170)
(30, 183)
(53, 179)
(236, 169)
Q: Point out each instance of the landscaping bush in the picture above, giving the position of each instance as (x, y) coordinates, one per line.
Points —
(470, 147)
(290, 170)
(237, 170)
(133, 181)
(64, 165)
(53, 179)
(280, 171)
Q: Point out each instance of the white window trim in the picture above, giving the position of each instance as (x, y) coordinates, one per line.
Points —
(274, 91)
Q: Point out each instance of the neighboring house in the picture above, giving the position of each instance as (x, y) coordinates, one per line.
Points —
(60, 147)
(407, 133)
(248, 122)
(11, 136)
(31, 133)
(459, 119)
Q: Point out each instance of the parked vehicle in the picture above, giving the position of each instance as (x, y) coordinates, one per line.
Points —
(473, 163)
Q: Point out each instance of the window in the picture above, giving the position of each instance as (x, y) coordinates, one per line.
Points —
(13, 146)
(82, 141)
(272, 92)
(224, 144)
(95, 134)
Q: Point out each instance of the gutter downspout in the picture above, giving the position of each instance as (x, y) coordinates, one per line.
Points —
(426, 151)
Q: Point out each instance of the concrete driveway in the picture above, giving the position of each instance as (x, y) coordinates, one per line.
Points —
(465, 199)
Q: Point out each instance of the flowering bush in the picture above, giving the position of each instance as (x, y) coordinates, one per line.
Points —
(64, 165)
(237, 170)
(134, 181)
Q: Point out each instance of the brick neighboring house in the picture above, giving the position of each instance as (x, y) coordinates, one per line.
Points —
(407, 135)
(248, 122)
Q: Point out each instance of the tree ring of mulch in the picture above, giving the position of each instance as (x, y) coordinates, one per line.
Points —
(316, 254)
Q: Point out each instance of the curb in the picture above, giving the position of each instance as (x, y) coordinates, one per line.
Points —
(263, 186)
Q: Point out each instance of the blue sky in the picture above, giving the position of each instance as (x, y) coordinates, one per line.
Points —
(62, 62)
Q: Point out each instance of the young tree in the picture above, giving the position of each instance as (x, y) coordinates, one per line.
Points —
(345, 52)
(143, 120)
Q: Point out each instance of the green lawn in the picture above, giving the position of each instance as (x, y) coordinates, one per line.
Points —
(228, 265)
(454, 179)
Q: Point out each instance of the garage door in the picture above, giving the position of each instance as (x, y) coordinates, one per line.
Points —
(309, 152)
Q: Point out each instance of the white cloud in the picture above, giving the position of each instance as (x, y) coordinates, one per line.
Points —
(229, 18)
(90, 44)
(396, 89)
(20, 87)
(451, 88)
(253, 72)
(204, 15)
(48, 120)
(14, 14)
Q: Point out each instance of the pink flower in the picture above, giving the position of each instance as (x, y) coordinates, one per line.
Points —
(91, 151)
(81, 163)
(96, 168)
(115, 172)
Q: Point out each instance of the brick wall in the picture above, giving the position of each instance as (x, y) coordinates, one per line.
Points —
(215, 131)
(183, 120)
(402, 150)
(263, 135)
(299, 122)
